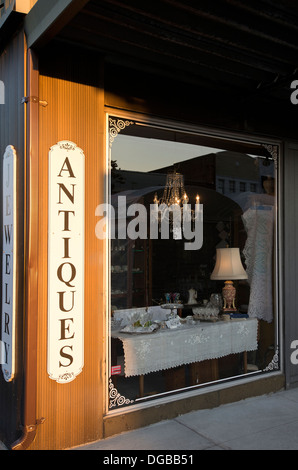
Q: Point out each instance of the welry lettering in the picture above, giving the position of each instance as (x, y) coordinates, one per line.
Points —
(8, 264)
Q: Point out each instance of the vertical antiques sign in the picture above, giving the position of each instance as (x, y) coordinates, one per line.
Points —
(66, 209)
(9, 264)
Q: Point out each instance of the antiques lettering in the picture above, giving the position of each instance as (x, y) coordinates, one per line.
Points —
(66, 272)
(66, 262)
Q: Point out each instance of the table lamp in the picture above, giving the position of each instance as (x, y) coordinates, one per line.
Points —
(228, 267)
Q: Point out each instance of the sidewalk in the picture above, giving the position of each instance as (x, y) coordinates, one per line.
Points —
(269, 422)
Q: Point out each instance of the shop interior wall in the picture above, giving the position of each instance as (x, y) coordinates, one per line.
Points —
(72, 86)
(12, 133)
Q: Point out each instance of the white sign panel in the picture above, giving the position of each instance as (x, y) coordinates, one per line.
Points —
(66, 261)
(8, 264)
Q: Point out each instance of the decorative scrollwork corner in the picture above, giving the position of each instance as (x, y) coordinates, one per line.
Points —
(274, 364)
(116, 126)
(273, 151)
(116, 399)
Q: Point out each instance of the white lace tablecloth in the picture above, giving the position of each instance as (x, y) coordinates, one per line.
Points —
(174, 347)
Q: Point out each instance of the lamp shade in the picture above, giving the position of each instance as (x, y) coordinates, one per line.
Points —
(228, 265)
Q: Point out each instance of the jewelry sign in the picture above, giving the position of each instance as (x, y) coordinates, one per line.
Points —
(66, 206)
(9, 264)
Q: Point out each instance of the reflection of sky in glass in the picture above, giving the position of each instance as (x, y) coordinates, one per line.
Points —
(143, 154)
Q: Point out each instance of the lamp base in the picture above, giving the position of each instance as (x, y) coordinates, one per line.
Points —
(229, 295)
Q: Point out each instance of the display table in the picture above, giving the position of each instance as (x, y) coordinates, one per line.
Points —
(168, 348)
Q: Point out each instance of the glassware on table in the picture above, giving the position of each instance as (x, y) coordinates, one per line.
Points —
(216, 300)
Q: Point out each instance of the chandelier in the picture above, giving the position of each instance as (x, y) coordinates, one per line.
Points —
(174, 199)
(174, 191)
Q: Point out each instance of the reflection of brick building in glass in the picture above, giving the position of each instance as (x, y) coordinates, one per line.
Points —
(222, 171)
(233, 178)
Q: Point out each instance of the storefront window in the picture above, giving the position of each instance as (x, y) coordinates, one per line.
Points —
(172, 327)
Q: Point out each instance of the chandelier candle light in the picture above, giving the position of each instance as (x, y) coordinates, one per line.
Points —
(169, 205)
(228, 266)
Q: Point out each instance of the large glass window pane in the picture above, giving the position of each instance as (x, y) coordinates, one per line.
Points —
(172, 325)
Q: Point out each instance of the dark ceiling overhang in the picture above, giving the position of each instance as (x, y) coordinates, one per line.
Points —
(47, 18)
(10, 21)
(245, 48)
